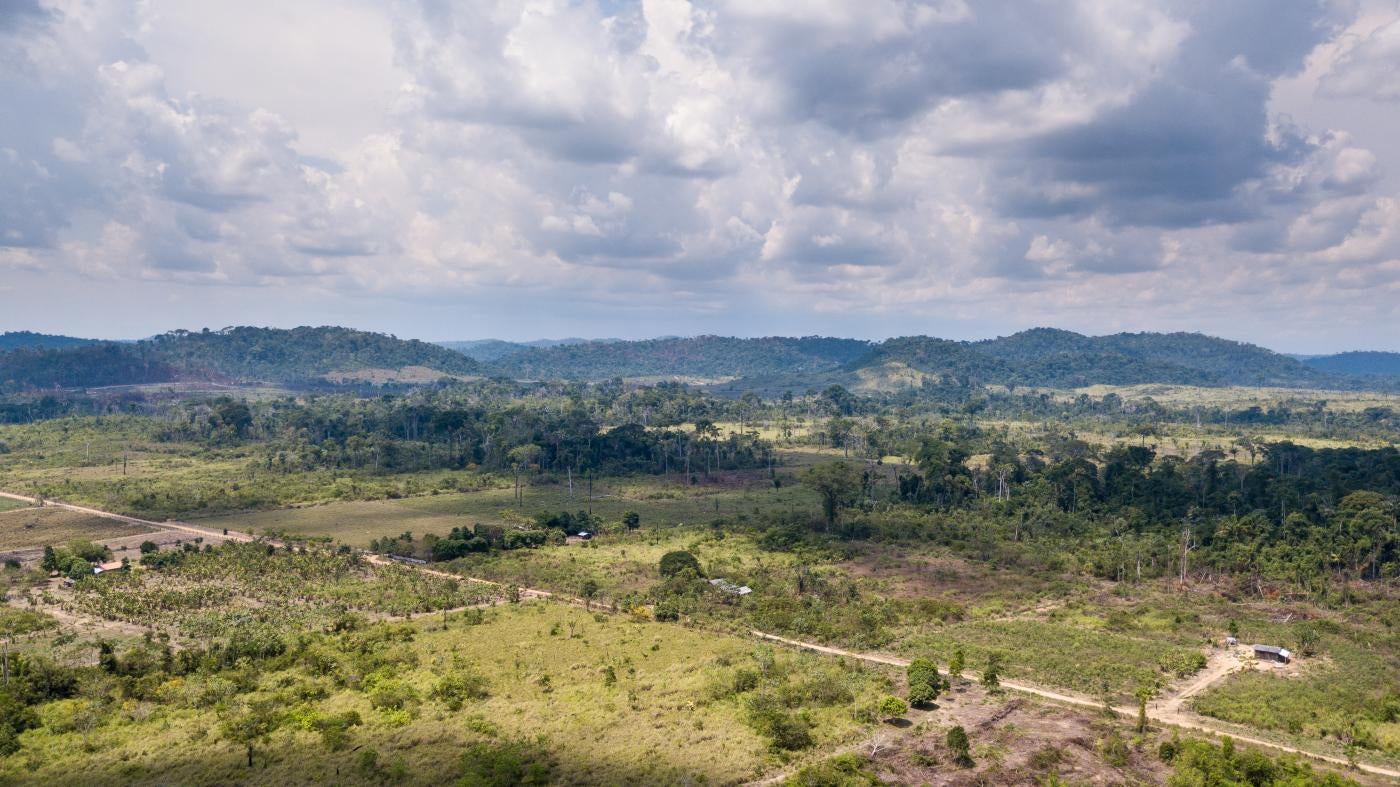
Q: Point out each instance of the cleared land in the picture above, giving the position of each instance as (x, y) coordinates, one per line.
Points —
(658, 502)
(549, 698)
(30, 528)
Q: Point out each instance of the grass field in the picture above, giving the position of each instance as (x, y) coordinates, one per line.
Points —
(1239, 396)
(6, 504)
(659, 502)
(1347, 690)
(620, 565)
(591, 698)
(31, 527)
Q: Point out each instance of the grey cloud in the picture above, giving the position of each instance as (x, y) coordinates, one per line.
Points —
(1182, 150)
(847, 78)
(1370, 68)
(17, 15)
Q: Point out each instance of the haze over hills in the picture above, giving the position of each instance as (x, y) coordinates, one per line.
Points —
(1358, 364)
(1041, 357)
(496, 349)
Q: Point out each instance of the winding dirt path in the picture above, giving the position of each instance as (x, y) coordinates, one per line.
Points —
(1170, 712)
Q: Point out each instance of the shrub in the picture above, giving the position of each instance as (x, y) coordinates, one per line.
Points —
(922, 694)
(673, 563)
(843, 770)
(391, 694)
(785, 730)
(455, 688)
(893, 707)
(504, 765)
(1114, 749)
(959, 746)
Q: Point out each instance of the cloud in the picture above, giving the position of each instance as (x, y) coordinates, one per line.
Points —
(888, 157)
(1367, 67)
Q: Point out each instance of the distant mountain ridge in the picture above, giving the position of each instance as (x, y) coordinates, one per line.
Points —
(1358, 364)
(239, 354)
(1042, 357)
(495, 349)
(692, 357)
(28, 340)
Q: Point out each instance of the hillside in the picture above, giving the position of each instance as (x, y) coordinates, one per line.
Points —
(697, 357)
(278, 355)
(242, 354)
(1064, 359)
(87, 366)
(1358, 364)
(28, 340)
(1041, 357)
(488, 350)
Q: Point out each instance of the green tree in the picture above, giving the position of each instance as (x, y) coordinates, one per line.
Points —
(923, 681)
(837, 483)
(252, 723)
(957, 663)
(588, 590)
(893, 707)
(922, 694)
(959, 746)
(991, 676)
(673, 563)
(631, 519)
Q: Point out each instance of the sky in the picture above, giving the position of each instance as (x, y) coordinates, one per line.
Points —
(868, 168)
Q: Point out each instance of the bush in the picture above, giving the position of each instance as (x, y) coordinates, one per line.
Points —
(843, 770)
(893, 707)
(391, 694)
(455, 688)
(922, 694)
(504, 765)
(524, 539)
(1114, 749)
(959, 746)
(15, 718)
(673, 563)
(785, 730)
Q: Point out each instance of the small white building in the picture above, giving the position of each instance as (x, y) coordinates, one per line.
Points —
(730, 587)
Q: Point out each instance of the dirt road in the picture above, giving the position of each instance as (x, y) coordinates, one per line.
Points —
(1170, 712)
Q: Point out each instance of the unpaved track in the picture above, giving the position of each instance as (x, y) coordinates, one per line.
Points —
(1170, 713)
(235, 535)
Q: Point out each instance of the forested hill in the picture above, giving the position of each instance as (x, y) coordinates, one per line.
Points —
(705, 357)
(1041, 357)
(495, 349)
(1063, 359)
(1358, 364)
(278, 355)
(28, 340)
(85, 366)
(243, 354)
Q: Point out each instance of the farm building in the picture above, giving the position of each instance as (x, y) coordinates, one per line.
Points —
(1272, 653)
(730, 587)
